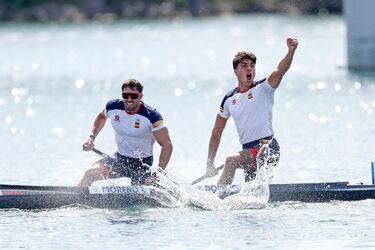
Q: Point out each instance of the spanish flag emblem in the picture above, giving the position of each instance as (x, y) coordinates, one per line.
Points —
(250, 96)
(137, 123)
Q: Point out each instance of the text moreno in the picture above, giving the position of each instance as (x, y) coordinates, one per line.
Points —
(124, 190)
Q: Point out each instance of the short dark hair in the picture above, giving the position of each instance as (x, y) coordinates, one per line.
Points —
(241, 56)
(133, 84)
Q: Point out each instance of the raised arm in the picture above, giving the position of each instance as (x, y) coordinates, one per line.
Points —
(213, 146)
(277, 75)
(162, 137)
(99, 123)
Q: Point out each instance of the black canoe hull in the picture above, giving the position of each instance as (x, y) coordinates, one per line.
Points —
(321, 192)
(44, 197)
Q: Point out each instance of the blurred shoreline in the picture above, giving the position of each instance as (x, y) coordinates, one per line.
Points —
(112, 10)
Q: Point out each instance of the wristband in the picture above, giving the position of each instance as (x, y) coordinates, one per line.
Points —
(92, 137)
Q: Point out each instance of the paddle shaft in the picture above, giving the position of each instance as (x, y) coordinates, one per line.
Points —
(101, 153)
(206, 176)
(222, 166)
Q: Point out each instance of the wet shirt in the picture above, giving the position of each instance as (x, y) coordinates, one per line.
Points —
(134, 132)
(251, 111)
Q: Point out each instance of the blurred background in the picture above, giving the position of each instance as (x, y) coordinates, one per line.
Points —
(61, 61)
(111, 10)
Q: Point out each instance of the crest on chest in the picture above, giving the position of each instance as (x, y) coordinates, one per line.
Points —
(137, 123)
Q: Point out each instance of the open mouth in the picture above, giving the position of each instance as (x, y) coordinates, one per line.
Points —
(129, 103)
(248, 77)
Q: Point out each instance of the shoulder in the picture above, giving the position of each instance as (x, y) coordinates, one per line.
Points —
(115, 104)
(260, 81)
(150, 113)
(264, 84)
(228, 95)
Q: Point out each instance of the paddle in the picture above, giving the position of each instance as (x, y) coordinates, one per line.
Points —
(112, 159)
(265, 145)
(101, 153)
(206, 176)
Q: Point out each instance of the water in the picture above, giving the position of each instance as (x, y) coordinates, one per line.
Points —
(54, 79)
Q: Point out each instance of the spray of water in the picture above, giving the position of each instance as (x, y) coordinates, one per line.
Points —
(172, 192)
(248, 195)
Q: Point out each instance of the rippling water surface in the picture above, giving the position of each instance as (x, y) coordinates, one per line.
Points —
(54, 79)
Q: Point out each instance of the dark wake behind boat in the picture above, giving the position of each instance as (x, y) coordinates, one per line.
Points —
(43, 197)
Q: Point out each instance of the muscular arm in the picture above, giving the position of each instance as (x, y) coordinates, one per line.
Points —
(99, 123)
(162, 137)
(277, 75)
(213, 146)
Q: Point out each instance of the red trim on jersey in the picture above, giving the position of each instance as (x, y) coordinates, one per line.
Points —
(252, 85)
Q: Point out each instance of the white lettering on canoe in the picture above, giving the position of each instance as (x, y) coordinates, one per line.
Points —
(214, 188)
(119, 190)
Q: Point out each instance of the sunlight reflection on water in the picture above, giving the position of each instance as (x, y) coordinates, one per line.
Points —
(56, 78)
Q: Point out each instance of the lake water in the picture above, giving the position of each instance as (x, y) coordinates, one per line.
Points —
(55, 78)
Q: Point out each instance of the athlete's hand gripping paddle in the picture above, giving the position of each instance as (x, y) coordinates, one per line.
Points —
(206, 175)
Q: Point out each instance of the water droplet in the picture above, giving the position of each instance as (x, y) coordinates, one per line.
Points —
(320, 85)
(337, 87)
(15, 92)
(357, 85)
(178, 92)
(30, 112)
(17, 99)
(338, 109)
(13, 130)
(8, 119)
(2, 102)
(365, 106)
(79, 83)
(312, 117)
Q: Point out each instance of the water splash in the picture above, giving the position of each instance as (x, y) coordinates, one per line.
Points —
(248, 195)
(169, 191)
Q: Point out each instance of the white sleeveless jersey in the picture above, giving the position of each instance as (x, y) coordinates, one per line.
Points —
(133, 132)
(251, 111)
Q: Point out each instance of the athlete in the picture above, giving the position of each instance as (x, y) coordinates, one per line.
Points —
(136, 126)
(250, 104)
